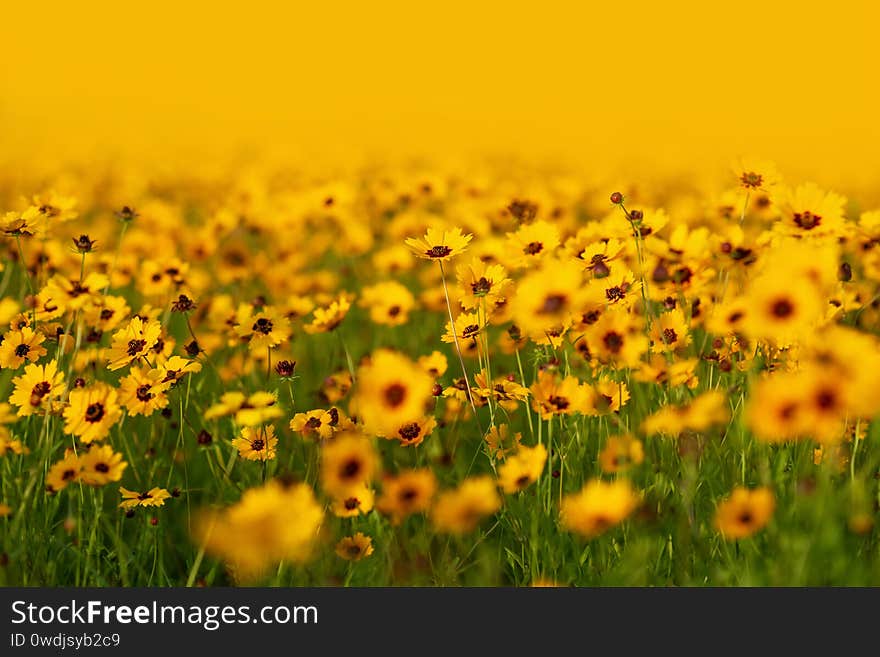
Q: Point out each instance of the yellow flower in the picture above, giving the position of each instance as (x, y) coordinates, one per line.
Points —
(355, 548)
(391, 390)
(248, 410)
(20, 346)
(620, 453)
(64, 472)
(598, 506)
(320, 422)
(142, 392)
(809, 211)
(132, 342)
(703, 412)
(754, 174)
(347, 464)
(467, 327)
(522, 469)
(531, 243)
(37, 387)
(439, 244)
(152, 497)
(101, 465)
(262, 329)
(355, 503)
(389, 303)
(744, 512)
(460, 510)
(256, 443)
(414, 433)
(408, 492)
(482, 284)
(560, 397)
(327, 318)
(269, 524)
(550, 298)
(92, 412)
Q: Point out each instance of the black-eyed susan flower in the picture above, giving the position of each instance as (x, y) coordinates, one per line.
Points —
(64, 472)
(348, 464)
(142, 392)
(616, 338)
(132, 342)
(522, 469)
(37, 388)
(263, 328)
(328, 318)
(389, 303)
(316, 423)
(621, 453)
(531, 243)
(269, 524)
(809, 211)
(754, 175)
(414, 432)
(355, 548)
(744, 512)
(598, 507)
(18, 347)
(553, 396)
(91, 412)
(247, 410)
(704, 411)
(467, 327)
(391, 390)
(256, 443)
(336, 386)
(406, 493)
(439, 244)
(153, 497)
(106, 313)
(435, 364)
(101, 465)
(61, 294)
(460, 510)
(356, 502)
(175, 368)
(482, 284)
(669, 331)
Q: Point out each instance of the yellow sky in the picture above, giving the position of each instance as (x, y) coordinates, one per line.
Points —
(676, 82)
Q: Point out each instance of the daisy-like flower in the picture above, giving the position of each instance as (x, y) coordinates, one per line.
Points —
(327, 318)
(481, 284)
(177, 367)
(248, 410)
(62, 294)
(598, 507)
(389, 303)
(262, 329)
(467, 327)
(133, 342)
(107, 313)
(20, 346)
(36, 388)
(348, 464)
(809, 211)
(64, 472)
(744, 512)
(256, 443)
(522, 468)
(620, 453)
(669, 331)
(355, 503)
(92, 412)
(391, 390)
(317, 422)
(153, 497)
(414, 433)
(460, 510)
(101, 466)
(142, 392)
(531, 243)
(355, 548)
(755, 175)
(439, 244)
(28, 222)
(408, 492)
(560, 397)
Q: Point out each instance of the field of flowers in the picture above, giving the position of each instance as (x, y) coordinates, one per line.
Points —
(414, 376)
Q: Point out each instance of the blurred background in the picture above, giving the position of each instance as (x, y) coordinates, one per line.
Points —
(633, 84)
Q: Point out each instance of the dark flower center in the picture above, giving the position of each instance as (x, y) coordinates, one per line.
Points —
(95, 412)
(523, 481)
(481, 287)
(615, 293)
(410, 431)
(144, 394)
(350, 469)
(22, 350)
(351, 503)
(807, 220)
(102, 467)
(135, 347)
(470, 330)
(408, 495)
(394, 311)
(533, 248)
(263, 326)
(552, 304)
(438, 251)
(560, 403)
(613, 342)
(751, 179)
(313, 423)
(68, 474)
(106, 314)
(782, 308)
(669, 335)
(258, 445)
(745, 517)
(395, 394)
(39, 391)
